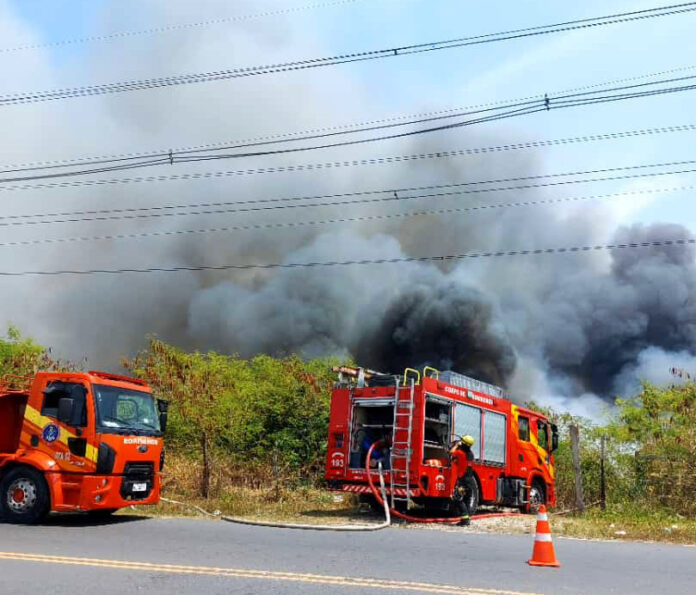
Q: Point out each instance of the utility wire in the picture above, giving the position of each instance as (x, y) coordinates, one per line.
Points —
(130, 214)
(178, 27)
(317, 132)
(546, 105)
(340, 220)
(295, 265)
(152, 83)
(387, 195)
(535, 144)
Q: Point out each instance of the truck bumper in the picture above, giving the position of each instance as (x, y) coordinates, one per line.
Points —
(98, 492)
(365, 489)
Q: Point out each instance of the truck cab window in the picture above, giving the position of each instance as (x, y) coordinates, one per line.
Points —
(56, 391)
(542, 435)
(524, 429)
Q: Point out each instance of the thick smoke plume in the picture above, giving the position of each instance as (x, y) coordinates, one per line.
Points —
(568, 329)
(598, 325)
(445, 325)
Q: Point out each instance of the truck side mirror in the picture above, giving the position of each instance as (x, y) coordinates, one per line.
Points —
(163, 408)
(554, 437)
(66, 410)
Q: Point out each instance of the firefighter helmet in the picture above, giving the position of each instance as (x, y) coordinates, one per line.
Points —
(468, 440)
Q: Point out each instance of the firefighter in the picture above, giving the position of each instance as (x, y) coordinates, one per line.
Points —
(462, 456)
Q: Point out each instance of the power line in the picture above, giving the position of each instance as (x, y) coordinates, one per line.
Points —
(340, 220)
(295, 265)
(178, 27)
(535, 144)
(389, 195)
(571, 100)
(152, 83)
(319, 132)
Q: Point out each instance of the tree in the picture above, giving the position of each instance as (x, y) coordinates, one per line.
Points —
(253, 413)
(660, 426)
(21, 356)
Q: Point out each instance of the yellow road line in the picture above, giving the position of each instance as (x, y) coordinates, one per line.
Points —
(339, 581)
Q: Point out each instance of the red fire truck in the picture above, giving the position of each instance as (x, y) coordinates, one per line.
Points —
(78, 441)
(415, 419)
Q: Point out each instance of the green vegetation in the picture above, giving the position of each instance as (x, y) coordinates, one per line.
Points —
(253, 422)
(248, 437)
(650, 454)
(21, 356)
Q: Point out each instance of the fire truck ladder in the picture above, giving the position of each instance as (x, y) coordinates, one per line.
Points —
(400, 460)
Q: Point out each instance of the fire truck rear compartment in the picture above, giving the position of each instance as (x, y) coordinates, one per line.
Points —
(372, 421)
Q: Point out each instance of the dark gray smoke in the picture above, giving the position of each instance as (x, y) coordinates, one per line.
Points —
(598, 324)
(448, 326)
(582, 327)
(560, 329)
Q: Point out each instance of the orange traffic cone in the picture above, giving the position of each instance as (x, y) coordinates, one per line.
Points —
(543, 554)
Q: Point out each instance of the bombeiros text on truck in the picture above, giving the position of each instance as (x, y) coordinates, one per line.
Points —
(78, 441)
(414, 419)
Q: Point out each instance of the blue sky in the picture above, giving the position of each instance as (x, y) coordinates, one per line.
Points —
(435, 80)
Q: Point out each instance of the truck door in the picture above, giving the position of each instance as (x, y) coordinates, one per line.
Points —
(543, 441)
(68, 442)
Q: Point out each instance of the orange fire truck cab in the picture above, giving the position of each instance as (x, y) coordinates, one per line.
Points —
(415, 421)
(78, 441)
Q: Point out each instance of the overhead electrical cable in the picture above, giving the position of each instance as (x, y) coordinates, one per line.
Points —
(287, 137)
(669, 242)
(132, 214)
(546, 105)
(194, 78)
(386, 195)
(535, 144)
(174, 27)
(314, 223)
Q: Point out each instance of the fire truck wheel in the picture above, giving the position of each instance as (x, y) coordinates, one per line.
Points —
(537, 496)
(24, 496)
(466, 491)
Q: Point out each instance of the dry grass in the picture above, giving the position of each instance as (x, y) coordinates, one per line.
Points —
(253, 494)
(629, 523)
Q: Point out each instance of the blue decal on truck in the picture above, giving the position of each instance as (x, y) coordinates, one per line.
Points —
(51, 433)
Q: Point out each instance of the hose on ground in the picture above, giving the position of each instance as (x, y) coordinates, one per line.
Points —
(301, 526)
(414, 519)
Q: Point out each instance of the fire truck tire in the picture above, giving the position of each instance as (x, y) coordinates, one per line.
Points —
(470, 492)
(537, 496)
(24, 496)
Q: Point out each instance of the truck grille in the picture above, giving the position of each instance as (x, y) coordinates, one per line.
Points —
(137, 476)
(139, 470)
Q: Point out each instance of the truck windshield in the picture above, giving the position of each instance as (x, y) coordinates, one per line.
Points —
(125, 411)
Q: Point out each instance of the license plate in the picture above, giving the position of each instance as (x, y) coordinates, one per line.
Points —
(139, 487)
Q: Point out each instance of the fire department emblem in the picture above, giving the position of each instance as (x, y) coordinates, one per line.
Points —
(51, 433)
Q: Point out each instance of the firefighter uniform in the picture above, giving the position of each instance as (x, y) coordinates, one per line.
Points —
(462, 457)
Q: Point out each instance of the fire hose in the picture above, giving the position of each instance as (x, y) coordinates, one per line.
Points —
(381, 499)
(414, 519)
(303, 526)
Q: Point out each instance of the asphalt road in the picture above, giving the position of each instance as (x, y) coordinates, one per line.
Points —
(181, 556)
